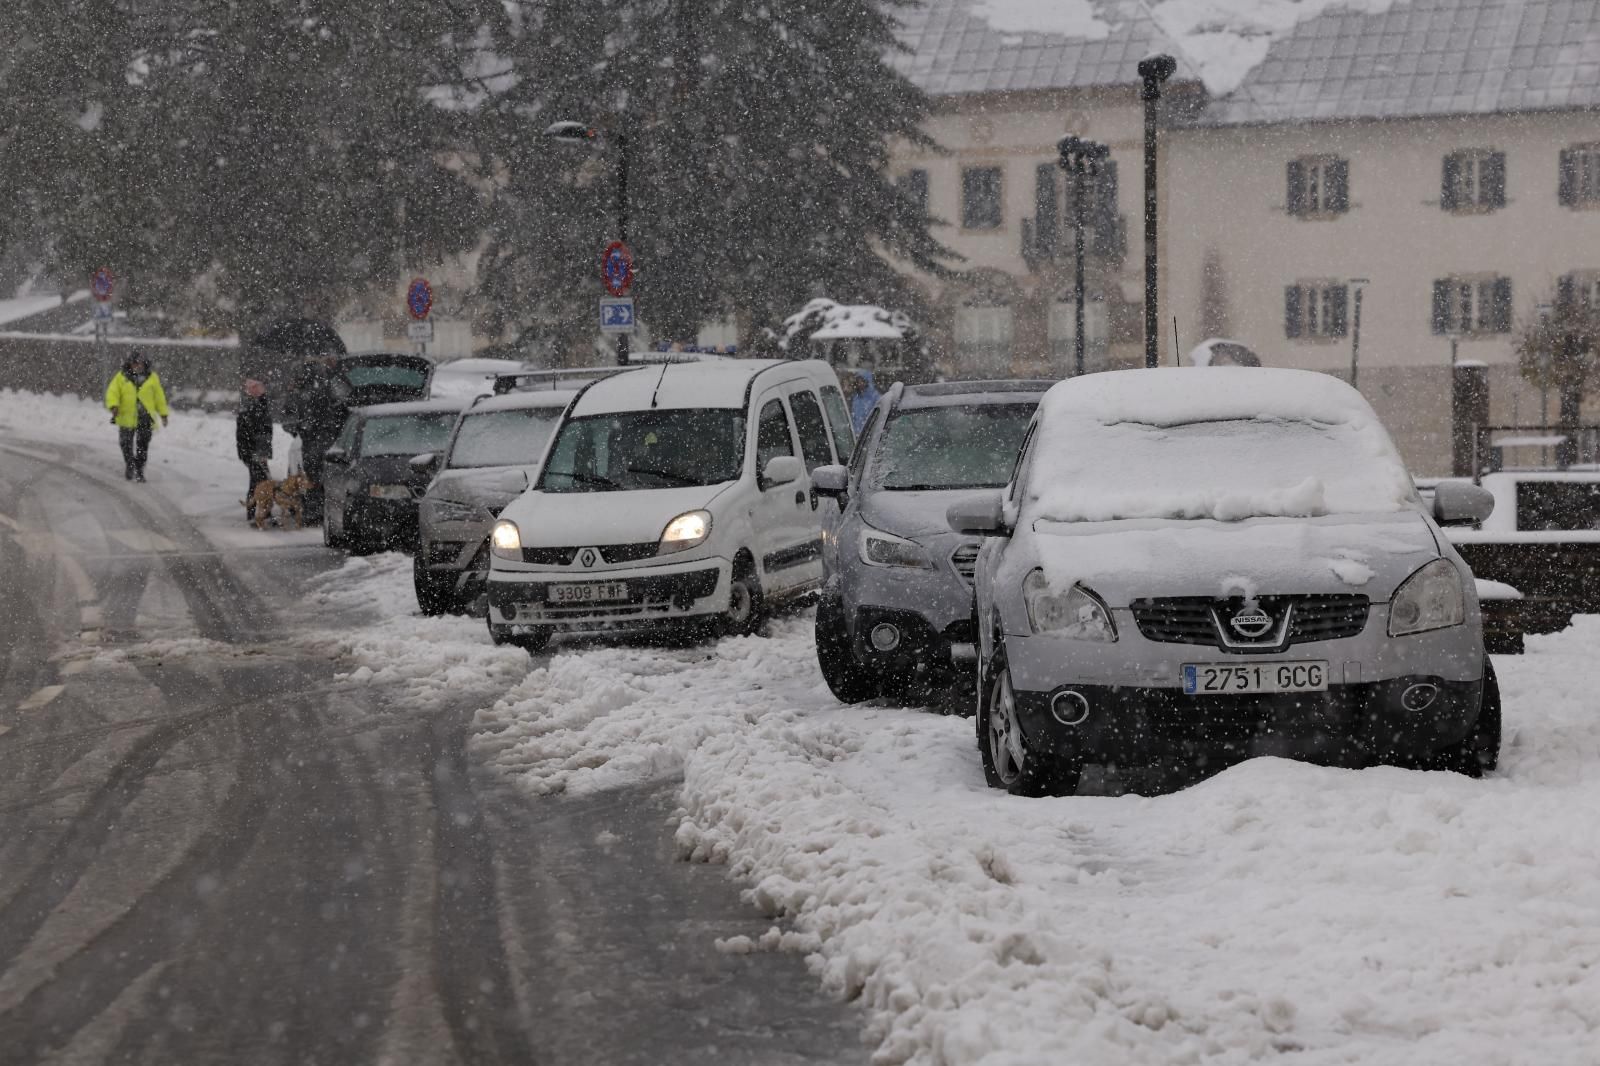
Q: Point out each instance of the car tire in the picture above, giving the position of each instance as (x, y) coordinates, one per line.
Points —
(1000, 732)
(335, 540)
(1479, 753)
(532, 639)
(436, 592)
(847, 679)
(745, 605)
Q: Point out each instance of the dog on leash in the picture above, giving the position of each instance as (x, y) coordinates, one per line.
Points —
(288, 496)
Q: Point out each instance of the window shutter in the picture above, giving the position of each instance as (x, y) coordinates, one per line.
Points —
(1338, 178)
(1447, 186)
(1566, 291)
(1441, 306)
(1297, 187)
(1103, 219)
(1567, 193)
(1337, 310)
(1492, 180)
(915, 185)
(1291, 311)
(1046, 209)
(1500, 305)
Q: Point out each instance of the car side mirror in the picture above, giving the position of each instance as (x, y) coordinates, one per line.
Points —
(336, 455)
(979, 516)
(830, 481)
(425, 465)
(1461, 503)
(781, 470)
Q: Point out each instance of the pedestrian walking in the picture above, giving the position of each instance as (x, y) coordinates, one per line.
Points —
(315, 412)
(253, 435)
(136, 400)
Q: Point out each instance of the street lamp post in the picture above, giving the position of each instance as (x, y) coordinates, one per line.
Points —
(1153, 70)
(1081, 158)
(578, 133)
(1358, 284)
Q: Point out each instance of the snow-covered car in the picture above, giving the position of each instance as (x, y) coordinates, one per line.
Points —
(672, 496)
(371, 489)
(895, 615)
(1222, 562)
(491, 458)
(469, 378)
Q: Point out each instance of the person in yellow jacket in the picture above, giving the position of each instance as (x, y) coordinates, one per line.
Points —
(136, 400)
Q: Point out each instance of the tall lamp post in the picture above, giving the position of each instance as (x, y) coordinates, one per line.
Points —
(1153, 70)
(1081, 158)
(578, 133)
(1358, 284)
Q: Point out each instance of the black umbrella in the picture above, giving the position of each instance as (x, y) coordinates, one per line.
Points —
(279, 346)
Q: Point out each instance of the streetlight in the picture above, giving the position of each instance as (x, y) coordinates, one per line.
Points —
(1154, 70)
(1080, 158)
(1359, 285)
(569, 132)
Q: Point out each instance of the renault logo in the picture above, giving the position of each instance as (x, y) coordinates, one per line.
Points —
(588, 557)
(1251, 622)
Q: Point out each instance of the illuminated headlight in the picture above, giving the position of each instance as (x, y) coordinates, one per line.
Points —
(455, 511)
(506, 540)
(684, 532)
(1075, 613)
(885, 549)
(1431, 598)
(390, 492)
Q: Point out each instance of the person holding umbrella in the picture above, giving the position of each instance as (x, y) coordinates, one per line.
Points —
(136, 399)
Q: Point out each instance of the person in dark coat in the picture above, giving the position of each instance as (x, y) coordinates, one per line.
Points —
(253, 435)
(317, 407)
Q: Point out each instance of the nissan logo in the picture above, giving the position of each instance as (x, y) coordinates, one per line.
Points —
(588, 557)
(1251, 622)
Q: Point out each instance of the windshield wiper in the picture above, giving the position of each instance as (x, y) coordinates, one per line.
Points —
(589, 479)
(669, 475)
(938, 488)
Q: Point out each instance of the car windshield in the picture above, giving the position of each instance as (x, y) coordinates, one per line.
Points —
(972, 446)
(1227, 470)
(386, 374)
(646, 450)
(411, 434)
(503, 438)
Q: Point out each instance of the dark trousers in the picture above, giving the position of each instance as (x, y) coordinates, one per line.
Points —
(311, 452)
(135, 446)
(258, 474)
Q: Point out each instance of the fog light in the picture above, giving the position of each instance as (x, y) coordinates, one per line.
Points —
(1419, 697)
(885, 637)
(1069, 708)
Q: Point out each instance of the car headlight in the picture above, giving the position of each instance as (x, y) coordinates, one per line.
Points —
(1075, 613)
(1431, 598)
(687, 531)
(506, 540)
(390, 492)
(885, 549)
(455, 511)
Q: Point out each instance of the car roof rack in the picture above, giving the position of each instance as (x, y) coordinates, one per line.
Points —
(533, 380)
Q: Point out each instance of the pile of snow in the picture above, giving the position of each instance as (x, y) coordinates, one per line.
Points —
(1225, 443)
(823, 319)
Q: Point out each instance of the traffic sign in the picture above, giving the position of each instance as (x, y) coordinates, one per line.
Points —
(419, 298)
(616, 314)
(103, 284)
(420, 331)
(616, 268)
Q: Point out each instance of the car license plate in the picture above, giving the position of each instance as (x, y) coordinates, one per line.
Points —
(588, 592)
(1249, 679)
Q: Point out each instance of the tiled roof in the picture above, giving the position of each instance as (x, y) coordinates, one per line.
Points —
(1418, 57)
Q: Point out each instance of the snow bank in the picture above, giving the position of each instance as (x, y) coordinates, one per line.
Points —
(1069, 18)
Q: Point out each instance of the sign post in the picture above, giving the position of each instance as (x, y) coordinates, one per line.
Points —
(419, 303)
(616, 314)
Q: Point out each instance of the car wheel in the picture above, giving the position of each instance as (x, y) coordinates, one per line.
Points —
(436, 592)
(1008, 761)
(532, 639)
(743, 614)
(1479, 753)
(333, 531)
(847, 679)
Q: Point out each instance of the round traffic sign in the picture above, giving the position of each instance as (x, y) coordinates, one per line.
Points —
(419, 298)
(103, 284)
(616, 268)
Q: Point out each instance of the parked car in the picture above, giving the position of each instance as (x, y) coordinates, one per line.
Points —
(467, 379)
(492, 455)
(359, 380)
(676, 495)
(371, 487)
(895, 615)
(1222, 562)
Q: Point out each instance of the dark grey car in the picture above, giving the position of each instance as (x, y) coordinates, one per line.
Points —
(895, 616)
(371, 489)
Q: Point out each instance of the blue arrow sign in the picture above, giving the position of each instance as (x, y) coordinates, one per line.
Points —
(616, 315)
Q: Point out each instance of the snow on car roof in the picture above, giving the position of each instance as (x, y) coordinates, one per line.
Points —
(1226, 443)
(413, 407)
(524, 401)
(679, 386)
(956, 393)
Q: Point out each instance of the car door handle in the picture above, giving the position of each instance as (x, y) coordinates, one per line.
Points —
(800, 498)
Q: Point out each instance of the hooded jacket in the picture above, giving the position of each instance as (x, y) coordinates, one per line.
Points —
(124, 398)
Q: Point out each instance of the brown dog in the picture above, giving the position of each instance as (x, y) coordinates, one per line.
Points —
(288, 496)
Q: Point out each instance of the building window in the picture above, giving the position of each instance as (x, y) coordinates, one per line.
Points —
(1580, 289)
(1474, 180)
(913, 185)
(1580, 176)
(1105, 235)
(980, 198)
(983, 336)
(1316, 309)
(1468, 306)
(1096, 334)
(1319, 186)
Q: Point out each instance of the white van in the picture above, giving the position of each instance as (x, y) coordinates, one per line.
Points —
(672, 495)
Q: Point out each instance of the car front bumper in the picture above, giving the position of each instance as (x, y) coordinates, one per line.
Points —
(384, 521)
(658, 596)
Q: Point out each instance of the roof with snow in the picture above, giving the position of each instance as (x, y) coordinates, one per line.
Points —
(1273, 60)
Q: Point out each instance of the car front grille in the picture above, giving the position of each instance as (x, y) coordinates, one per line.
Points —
(965, 560)
(1199, 620)
(613, 554)
(445, 551)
